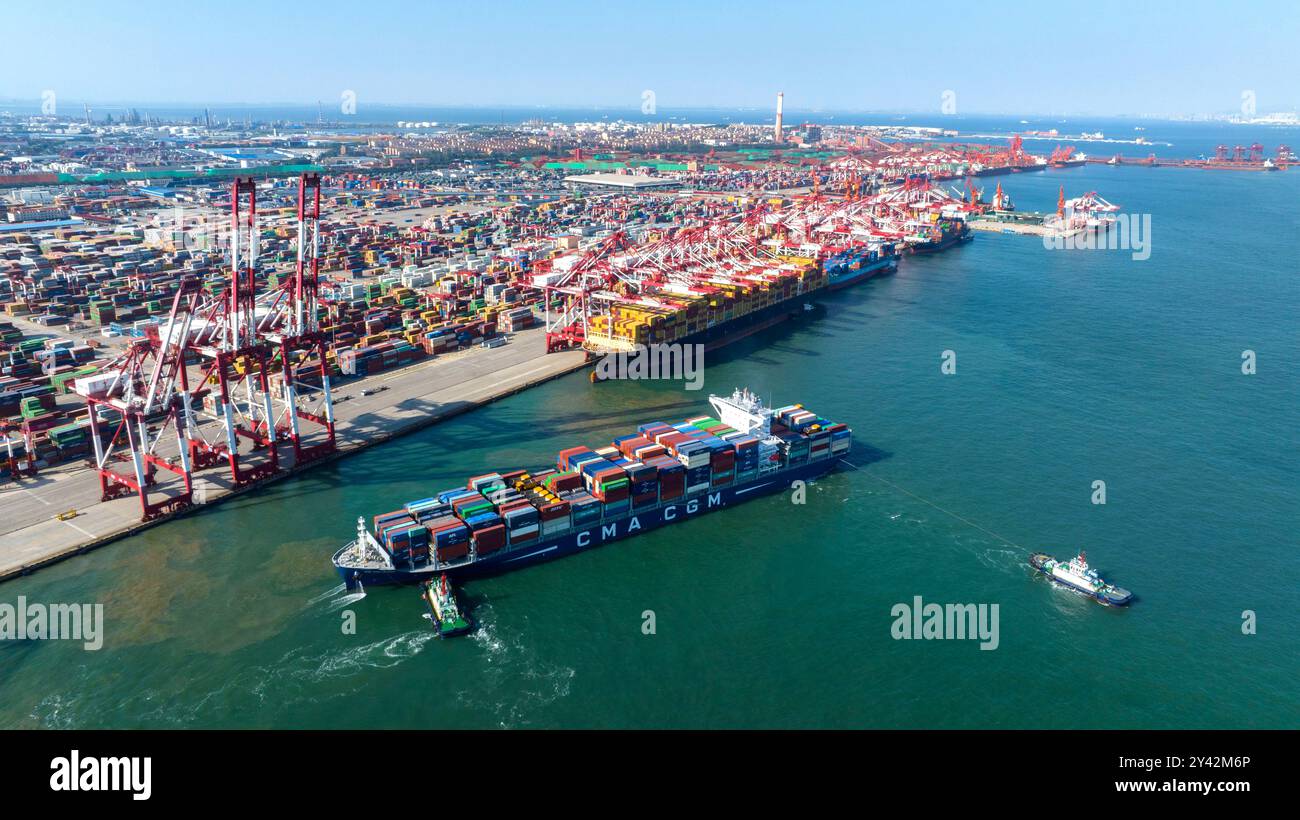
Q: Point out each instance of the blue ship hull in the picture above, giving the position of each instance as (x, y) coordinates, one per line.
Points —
(843, 277)
(637, 522)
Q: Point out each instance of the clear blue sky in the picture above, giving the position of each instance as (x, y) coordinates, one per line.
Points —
(1095, 57)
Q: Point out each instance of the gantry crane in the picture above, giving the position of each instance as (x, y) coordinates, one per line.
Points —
(237, 344)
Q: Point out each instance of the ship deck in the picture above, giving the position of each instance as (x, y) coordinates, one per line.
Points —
(346, 558)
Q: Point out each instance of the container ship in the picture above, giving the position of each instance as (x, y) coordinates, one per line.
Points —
(859, 264)
(938, 236)
(661, 475)
(713, 307)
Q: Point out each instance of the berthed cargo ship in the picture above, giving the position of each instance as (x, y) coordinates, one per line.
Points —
(858, 264)
(939, 236)
(663, 474)
(714, 308)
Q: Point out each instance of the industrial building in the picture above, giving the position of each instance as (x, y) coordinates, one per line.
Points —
(625, 182)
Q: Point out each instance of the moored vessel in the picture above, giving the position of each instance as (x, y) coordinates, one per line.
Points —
(713, 307)
(939, 236)
(858, 264)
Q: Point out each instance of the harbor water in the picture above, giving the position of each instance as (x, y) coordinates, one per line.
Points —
(1072, 367)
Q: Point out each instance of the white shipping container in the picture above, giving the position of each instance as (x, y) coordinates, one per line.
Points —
(543, 280)
(95, 383)
(417, 278)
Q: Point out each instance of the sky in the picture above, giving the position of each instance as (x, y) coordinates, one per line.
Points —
(1100, 57)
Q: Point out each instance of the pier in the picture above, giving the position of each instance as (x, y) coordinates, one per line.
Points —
(41, 529)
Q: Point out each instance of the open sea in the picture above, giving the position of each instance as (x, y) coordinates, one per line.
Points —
(1072, 367)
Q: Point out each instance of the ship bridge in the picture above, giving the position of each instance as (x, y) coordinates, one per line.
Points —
(744, 411)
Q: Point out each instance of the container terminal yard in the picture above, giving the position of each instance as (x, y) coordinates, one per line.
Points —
(193, 309)
(403, 368)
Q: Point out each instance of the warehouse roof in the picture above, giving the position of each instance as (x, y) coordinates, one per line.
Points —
(623, 181)
(40, 226)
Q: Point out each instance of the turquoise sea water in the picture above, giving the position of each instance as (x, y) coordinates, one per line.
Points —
(1071, 367)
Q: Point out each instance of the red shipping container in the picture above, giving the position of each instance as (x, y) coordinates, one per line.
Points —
(669, 493)
(514, 505)
(453, 551)
(649, 451)
(558, 509)
(611, 473)
(671, 440)
(450, 523)
(375, 523)
(46, 422)
(568, 482)
(490, 539)
(561, 461)
(629, 447)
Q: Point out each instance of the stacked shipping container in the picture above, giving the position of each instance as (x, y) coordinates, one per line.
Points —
(657, 464)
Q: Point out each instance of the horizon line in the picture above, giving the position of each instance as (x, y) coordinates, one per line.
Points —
(631, 108)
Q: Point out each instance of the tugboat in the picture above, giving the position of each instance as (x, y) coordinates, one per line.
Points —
(443, 610)
(1076, 574)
